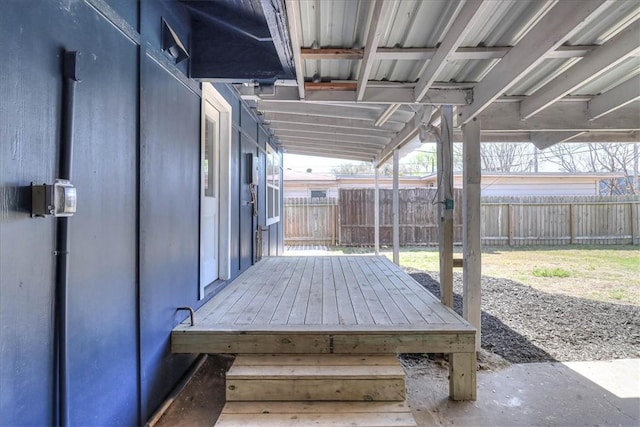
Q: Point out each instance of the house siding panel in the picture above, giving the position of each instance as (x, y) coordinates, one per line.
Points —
(102, 301)
(102, 350)
(28, 141)
(169, 218)
(134, 241)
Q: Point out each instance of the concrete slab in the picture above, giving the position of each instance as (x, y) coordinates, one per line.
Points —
(549, 394)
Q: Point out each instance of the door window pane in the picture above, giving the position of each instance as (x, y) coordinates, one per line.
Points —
(209, 176)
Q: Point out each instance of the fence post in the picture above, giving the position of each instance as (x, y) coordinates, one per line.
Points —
(572, 223)
(510, 223)
(633, 219)
(334, 221)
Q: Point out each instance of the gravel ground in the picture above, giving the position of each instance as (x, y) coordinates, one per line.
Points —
(523, 324)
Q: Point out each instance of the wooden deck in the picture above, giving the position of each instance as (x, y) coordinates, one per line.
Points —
(332, 304)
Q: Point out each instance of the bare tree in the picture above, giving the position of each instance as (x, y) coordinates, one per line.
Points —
(505, 157)
(601, 157)
(417, 164)
(500, 157)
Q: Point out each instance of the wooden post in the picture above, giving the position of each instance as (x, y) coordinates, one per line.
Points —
(462, 376)
(445, 201)
(334, 222)
(472, 247)
(339, 219)
(633, 219)
(376, 214)
(396, 208)
(510, 224)
(572, 223)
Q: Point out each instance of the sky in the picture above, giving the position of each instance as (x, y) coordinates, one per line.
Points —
(321, 165)
(301, 163)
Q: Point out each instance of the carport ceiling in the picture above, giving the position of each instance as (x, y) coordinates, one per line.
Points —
(371, 74)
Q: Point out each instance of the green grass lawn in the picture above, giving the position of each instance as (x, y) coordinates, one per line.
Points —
(604, 273)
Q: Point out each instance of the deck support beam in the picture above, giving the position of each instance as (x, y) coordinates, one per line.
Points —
(445, 203)
(396, 208)
(376, 212)
(472, 247)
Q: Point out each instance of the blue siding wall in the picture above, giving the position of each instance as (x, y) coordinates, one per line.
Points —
(102, 302)
(169, 218)
(134, 241)
(102, 337)
(30, 91)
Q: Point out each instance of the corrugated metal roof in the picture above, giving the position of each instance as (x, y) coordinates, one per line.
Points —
(414, 24)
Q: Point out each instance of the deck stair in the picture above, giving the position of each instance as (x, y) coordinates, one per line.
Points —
(320, 390)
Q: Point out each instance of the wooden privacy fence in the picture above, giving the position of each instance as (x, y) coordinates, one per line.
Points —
(607, 220)
(505, 220)
(418, 216)
(310, 220)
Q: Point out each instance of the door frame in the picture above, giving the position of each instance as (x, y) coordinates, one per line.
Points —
(211, 96)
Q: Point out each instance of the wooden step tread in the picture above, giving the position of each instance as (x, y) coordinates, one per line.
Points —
(310, 372)
(262, 414)
(316, 389)
(315, 360)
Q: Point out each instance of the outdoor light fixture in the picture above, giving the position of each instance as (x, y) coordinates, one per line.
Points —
(172, 45)
(58, 199)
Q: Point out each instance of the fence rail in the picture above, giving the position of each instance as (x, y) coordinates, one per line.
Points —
(513, 221)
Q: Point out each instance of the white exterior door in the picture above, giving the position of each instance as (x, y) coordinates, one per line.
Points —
(210, 196)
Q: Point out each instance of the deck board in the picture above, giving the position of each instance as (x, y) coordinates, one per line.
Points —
(329, 304)
(346, 315)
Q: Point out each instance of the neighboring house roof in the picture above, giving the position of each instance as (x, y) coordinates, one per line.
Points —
(493, 183)
(290, 175)
(536, 176)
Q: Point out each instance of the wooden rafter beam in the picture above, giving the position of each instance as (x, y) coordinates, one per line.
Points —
(371, 46)
(328, 151)
(332, 53)
(596, 63)
(615, 98)
(426, 53)
(544, 140)
(326, 121)
(333, 145)
(367, 141)
(460, 27)
(375, 94)
(312, 128)
(339, 86)
(561, 116)
(410, 131)
(293, 19)
(386, 114)
(562, 21)
(333, 155)
(324, 110)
